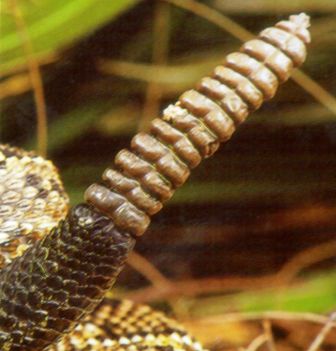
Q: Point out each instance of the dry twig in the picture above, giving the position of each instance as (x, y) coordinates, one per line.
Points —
(304, 259)
(35, 77)
(149, 271)
(323, 333)
(267, 326)
(270, 315)
(194, 287)
(159, 57)
(256, 343)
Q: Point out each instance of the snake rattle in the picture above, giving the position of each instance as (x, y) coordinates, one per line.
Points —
(57, 265)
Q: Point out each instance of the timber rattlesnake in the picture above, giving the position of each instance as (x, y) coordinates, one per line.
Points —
(52, 279)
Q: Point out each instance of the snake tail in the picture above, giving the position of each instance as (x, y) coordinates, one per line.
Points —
(56, 282)
(160, 161)
(62, 277)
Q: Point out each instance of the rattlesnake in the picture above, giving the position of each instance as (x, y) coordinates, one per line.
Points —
(52, 280)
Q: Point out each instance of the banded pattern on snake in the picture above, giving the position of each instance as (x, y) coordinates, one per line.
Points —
(52, 279)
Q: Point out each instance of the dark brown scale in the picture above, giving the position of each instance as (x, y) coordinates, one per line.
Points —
(227, 98)
(39, 300)
(132, 190)
(241, 85)
(193, 128)
(164, 160)
(255, 71)
(123, 213)
(205, 141)
(146, 173)
(200, 105)
(179, 142)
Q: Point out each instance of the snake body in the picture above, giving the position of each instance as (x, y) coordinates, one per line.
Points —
(52, 279)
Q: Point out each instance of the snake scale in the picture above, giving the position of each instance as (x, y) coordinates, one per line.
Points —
(57, 264)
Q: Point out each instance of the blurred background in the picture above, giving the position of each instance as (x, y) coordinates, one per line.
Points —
(254, 229)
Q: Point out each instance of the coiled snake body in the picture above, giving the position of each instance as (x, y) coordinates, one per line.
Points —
(57, 267)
